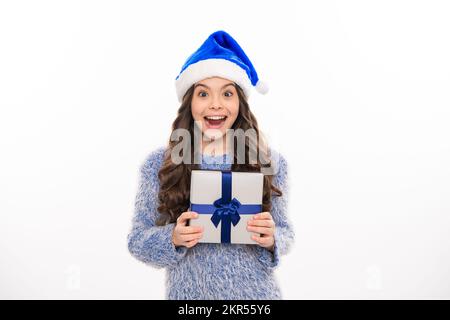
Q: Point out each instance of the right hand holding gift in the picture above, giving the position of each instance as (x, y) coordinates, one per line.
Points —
(183, 235)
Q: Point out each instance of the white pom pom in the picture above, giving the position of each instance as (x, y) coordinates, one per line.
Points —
(261, 87)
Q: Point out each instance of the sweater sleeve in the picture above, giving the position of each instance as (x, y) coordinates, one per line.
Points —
(147, 242)
(284, 233)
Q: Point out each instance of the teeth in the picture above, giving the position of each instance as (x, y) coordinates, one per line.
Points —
(216, 118)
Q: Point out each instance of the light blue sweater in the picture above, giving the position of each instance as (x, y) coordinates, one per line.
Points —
(208, 271)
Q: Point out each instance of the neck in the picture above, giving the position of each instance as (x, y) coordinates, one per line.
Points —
(214, 147)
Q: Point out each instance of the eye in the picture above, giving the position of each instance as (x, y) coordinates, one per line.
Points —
(230, 93)
(201, 93)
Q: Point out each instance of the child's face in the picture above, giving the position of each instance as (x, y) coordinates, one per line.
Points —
(215, 97)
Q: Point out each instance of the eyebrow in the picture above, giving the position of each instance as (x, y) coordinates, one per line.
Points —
(204, 85)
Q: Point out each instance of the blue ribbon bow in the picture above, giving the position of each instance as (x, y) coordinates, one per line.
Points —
(225, 210)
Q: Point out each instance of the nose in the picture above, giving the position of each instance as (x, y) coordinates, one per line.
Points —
(215, 103)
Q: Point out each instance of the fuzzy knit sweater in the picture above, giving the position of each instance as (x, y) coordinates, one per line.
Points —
(208, 271)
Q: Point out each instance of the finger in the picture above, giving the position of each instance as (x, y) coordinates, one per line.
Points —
(192, 243)
(261, 230)
(186, 216)
(263, 216)
(190, 237)
(262, 240)
(261, 223)
(190, 229)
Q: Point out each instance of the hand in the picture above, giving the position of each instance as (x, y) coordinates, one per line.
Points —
(183, 235)
(263, 224)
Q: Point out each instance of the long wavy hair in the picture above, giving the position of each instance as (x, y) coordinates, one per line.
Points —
(174, 179)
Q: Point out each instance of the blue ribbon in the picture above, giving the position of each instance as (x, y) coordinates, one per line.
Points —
(225, 209)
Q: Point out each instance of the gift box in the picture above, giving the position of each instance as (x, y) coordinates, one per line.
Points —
(225, 201)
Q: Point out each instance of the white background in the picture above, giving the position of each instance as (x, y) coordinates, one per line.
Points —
(358, 104)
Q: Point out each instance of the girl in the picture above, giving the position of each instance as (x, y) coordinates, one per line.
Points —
(213, 88)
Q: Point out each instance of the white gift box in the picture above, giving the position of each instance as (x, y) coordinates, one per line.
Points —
(224, 213)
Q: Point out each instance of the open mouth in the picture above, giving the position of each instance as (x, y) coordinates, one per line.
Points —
(215, 122)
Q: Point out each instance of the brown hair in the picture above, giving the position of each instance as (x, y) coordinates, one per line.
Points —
(174, 179)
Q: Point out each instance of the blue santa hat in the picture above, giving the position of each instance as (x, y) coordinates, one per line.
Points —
(219, 56)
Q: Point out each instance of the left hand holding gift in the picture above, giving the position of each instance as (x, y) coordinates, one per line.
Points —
(263, 224)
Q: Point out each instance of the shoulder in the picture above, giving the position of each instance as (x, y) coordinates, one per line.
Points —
(153, 162)
(279, 167)
(280, 162)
